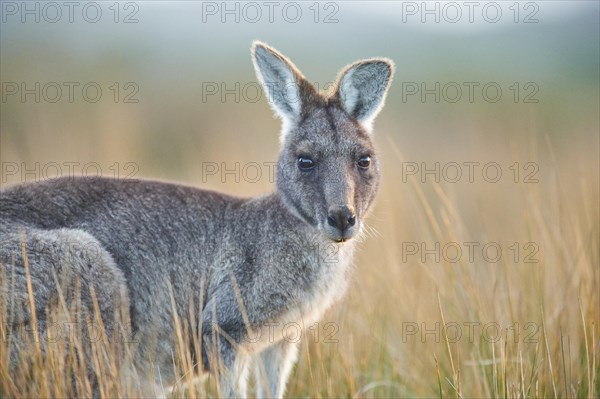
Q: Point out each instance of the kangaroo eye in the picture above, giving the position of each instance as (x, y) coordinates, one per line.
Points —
(305, 163)
(364, 162)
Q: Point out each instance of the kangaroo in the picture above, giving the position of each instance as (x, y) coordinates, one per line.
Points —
(251, 265)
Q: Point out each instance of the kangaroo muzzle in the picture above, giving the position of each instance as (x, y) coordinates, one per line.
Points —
(341, 221)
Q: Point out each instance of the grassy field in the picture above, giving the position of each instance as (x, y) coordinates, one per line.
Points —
(422, 320)
(479, 276)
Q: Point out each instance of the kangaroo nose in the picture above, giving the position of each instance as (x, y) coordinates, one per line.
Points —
(341, 217)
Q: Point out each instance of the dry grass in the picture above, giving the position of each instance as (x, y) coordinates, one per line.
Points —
(526, 329)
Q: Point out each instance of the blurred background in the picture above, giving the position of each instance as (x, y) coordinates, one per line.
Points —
(489, 140)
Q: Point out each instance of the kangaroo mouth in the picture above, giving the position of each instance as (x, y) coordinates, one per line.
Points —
(340, 236)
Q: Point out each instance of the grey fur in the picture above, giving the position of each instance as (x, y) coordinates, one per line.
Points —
(277, 255)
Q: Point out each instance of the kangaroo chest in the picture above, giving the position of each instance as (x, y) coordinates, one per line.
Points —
(329, 284)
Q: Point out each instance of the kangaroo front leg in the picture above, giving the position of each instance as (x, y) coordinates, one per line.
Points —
(233, 380)
(228, 363)
(273, 368)
(223, 336)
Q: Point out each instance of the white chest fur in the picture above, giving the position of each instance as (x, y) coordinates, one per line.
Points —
(331, 284)
(332, 277)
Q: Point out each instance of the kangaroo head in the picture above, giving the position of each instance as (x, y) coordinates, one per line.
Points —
(328, 172)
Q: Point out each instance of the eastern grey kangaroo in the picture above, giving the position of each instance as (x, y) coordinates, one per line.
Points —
(263, 262)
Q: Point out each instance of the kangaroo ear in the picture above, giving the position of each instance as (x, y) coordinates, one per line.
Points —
(362, 87)
(281, 80)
